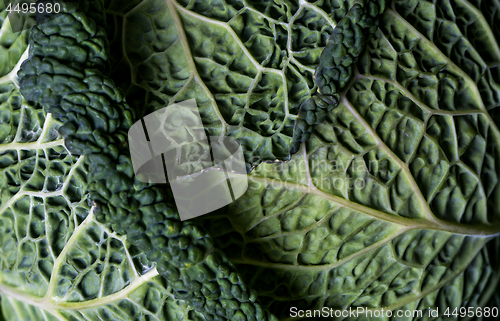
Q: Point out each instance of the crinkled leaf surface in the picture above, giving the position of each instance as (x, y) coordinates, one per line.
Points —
(56, 261)
(248, 64)
(394, 201)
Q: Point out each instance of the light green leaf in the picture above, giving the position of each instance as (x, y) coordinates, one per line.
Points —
(56, 261)
(248, 64)
(394, 201)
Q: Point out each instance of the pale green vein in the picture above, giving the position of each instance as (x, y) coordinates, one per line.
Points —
(15, 304)
(289, 43)
(321, 267)
(31, 146)
(487, 30)
(12, 75)
(246, 7)
(226, 27)
(438, 285)
(404, 167)
(61, 259)
(39, 143)
(5, 27)
(281, 211)
(242, 47)
(494, 285)
(173, 7)
(123, 240)
(57, 315)
(431, 111)
(306, 4)
(412, 223)
(124, 37)
(304, 231)
(52, 303)
(43, 194)
(422, 294)
(438, 52)
(449, 62)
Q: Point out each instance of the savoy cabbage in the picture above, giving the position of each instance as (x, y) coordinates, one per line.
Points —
(370, 129)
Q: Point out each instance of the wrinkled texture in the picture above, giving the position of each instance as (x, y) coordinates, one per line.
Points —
(418, 125)
(394, 200)
(58, 262)
(249, 64)
(64, 74)
(335, 68)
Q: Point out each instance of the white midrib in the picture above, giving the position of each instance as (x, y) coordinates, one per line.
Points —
(12, 75)
(34, 146)
(402, 165)
(60, 260)
(173, 7)
(176, 9)
(479, 230)
(31, 146)
(49, 303)
(323, 267)
(52, 303)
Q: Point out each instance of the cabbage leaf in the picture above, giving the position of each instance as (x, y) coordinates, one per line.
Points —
(392, 203)
(57, 261)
